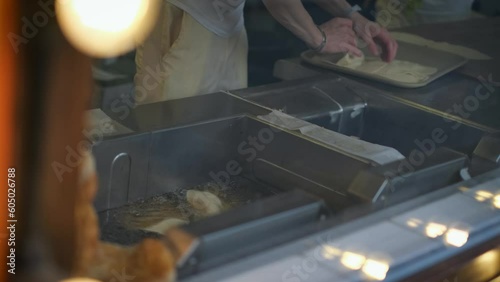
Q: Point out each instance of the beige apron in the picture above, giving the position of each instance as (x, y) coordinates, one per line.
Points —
(181, 58)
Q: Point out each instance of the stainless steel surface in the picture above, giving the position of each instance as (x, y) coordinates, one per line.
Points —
(442, 61)
(149, 164)
(480, 34)
(319, 101)
(448, 95)
(379, 184)
(382, 118)
(372, 153)
(173, 113)
(489, 148)
(183, 143)
(249, 229)
(381, 235)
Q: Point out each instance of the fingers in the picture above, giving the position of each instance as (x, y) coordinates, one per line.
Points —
(390, 52)
(349, 38)
(337, 23)
(372, 33)
(347, 48)
(343, 22)
(353, 41)
(389, 46)
(367, 32)
(371, 44)
(348, 35)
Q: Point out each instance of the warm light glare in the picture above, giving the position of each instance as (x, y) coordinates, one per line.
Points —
(414, 222)
(433, 230)
(456, 237)
(490, 258)
(106, 28)
(496, 201)
(352, 261)
(482, 196)
(108, 15)
(330, 252)
(375, 269)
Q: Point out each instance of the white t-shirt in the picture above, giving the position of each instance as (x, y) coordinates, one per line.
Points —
(223, 17)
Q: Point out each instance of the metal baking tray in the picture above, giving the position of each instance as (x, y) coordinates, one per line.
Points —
(444, 62)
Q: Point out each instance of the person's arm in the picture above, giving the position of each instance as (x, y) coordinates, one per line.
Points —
(292, 14)
(369, 31)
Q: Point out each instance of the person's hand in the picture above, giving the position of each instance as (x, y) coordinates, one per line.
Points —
(373, 34)
(340, 37)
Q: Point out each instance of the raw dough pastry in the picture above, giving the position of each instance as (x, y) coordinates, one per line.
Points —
(204, 202)
(166, 224)
(350, 61)
(402, 71)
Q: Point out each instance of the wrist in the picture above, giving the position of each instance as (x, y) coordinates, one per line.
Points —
(356, 16)
(314, 38)
(318, 40)
(358, 22)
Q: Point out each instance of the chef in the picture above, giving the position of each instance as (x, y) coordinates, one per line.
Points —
(200, 46)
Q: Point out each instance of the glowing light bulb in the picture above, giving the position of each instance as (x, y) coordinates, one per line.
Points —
(434, 230)
(496, 201)
(456, 237)
(352, 260)
(375, 269)
(482, 196)
(106, 28)
(414, 222)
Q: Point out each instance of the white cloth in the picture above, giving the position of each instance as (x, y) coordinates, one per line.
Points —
(222, 17)
(373, 153)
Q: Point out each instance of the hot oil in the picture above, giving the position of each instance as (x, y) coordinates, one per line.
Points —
(127, 223)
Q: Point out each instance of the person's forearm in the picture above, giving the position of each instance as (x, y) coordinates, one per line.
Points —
(293, 15)
(337, 8)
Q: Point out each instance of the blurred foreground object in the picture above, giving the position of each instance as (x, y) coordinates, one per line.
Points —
(8, 67)
(106, 28)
